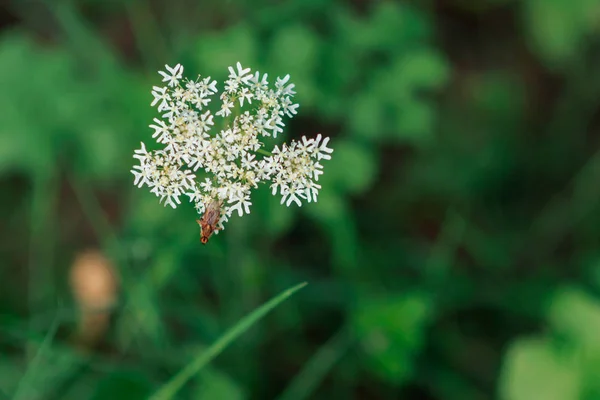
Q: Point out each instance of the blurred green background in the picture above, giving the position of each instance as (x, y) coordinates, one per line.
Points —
(454, 252)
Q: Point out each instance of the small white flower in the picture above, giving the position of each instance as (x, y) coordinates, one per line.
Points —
(241, 205)
(160, 94)
(292, 195)
(257, 84)
(141, 154)
(195, 195)
(321, 150)
(245, 94)
(288, 108)
(207, 87)
(161, 130)
(226, 107)
(206, 121)
(242, 75)
(140, 176)
(282, 88)
(206, 185)
(276, 125)
(173, 76)
(172, 199)
(311, 191)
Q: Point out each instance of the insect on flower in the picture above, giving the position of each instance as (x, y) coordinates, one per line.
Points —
(210, 219)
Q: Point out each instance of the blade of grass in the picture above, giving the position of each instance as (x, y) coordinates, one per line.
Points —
(41, 244)
(315, 370)
(28, 379)
(150, 42)
(169, 389)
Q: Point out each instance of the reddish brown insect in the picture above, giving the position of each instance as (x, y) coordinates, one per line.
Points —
(210, 219)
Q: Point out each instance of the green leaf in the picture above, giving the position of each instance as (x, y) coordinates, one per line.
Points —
(351, 169)
(274, 218)
(390, 28)
(415, 122)
(123, 384)
(11, 371)
(214, 384)
(366, 117)
(533, 369)
(558, 28)
(295, 50)
(576, 315)
(395, 26)
(420, 69)
(52, 110)
(334, 215)
(391, 330)
(499, 98)
(218, 50)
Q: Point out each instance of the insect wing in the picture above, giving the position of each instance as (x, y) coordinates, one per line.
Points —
(209, 221)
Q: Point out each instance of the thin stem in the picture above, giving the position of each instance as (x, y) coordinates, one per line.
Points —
(150, 43)
(264, 152)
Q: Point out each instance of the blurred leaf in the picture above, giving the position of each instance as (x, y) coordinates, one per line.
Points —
(123, 384)
(390, 27)
(213, 384)
(404, 85)
(500, 96)
(366, 117)
(576, 314)
(295, 50)
(216, 51)
(54, 112)
(533, 369)
(148, 213)
(415, 122)
(54, 370)
(558, 27)
(393, 104)
(351, 169)
(35, 367)
(10, 373)
(336, 92)
(273, 217)
(392, 332)
(24, 100)
(394, 26)
(420, 69)
(333, 213)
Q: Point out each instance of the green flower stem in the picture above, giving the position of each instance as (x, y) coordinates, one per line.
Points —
(169, 389)
(264, 153)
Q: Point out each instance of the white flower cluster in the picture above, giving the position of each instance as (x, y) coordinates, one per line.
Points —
(207, 165)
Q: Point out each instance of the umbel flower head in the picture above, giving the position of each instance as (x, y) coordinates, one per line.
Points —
(216, 159)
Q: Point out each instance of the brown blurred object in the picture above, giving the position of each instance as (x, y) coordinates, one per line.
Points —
(95, 288)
